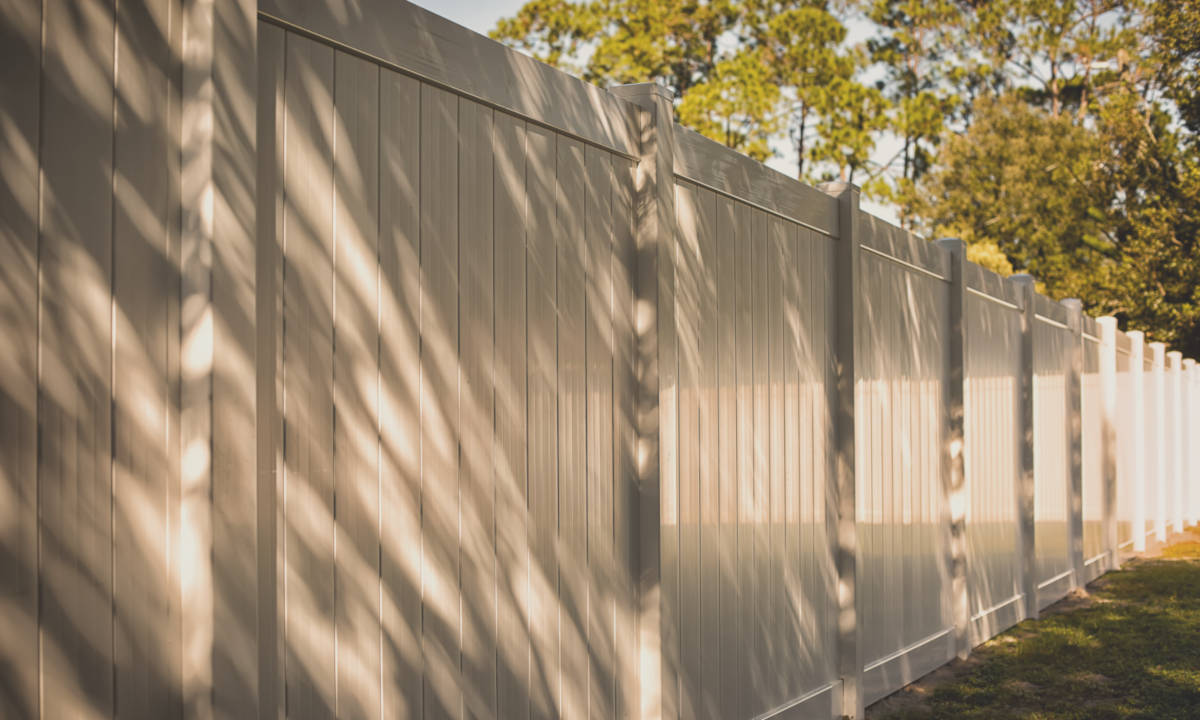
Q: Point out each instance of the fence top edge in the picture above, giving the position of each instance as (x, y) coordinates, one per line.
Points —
(706, 162)
(408, 38)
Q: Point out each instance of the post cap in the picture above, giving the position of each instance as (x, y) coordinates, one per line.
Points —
(952, 244)
(838, 187)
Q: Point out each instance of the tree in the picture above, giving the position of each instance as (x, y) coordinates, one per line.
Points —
(803, 49)
(1015, 167)
(912, 49)
(552, 31)
(673, 42)
(735, 105)
(852, 115)
(1060, 137)
(609, 42)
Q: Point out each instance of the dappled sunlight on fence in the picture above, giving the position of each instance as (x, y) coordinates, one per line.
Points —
(357, 366)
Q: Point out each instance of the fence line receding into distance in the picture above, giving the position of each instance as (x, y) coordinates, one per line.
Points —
(356, 365)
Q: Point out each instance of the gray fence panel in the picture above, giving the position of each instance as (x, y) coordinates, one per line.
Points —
(1153, 467)
(993, 430)
(1052, 344)
(1127, 469)
(20, 85)
(1175, 444)
(1091, 416)
(903, 516)
(538, 546)
(89, 401)
(559, 409)
(761, 448)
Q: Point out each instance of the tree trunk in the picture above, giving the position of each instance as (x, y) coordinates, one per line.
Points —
(800, 144)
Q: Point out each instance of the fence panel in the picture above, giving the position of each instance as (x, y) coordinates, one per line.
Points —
(1092, 418)
(993, 435)
(449, 373)
(558, 409)
(1153, 468)
(752, 307)
(1126, 426)
(1052, 343)
(903, 516)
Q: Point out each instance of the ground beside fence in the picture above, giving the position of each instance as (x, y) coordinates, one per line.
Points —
(1127, 647)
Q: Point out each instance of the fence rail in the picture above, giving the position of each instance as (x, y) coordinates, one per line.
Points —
(356, 365)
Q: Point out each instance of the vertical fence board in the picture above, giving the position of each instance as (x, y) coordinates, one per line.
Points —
(601, 480)
(572, 440)
(477, 320)
(793, 612)
(744, 328)
(20, 85)
(356, 386)
(269, 396)
(762, 662)
(687, 319)
(542, 382)
(441, 416)
(625, 509)
(74, 402)
(710, 582)
(142, 409)
(512, 538)
(403, 670)
(728, 601)
(779, 642)
(308, 368)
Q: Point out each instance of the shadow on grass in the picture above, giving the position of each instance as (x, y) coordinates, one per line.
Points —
(1131, 651)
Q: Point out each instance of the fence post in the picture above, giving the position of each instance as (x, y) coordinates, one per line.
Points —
(1175, 399)
(1108, 434)
(1137, 436)
(850, 660)
(227, 611)
(1159, 393)
(955, 477)
(654, 290)
(1025, 482)
(1074, 377)
(1191, 478)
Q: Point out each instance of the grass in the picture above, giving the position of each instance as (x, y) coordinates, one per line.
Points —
(1131, 650)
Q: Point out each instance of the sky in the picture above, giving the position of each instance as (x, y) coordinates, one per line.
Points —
(481, 16)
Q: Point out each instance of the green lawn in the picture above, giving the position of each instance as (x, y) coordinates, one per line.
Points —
(1131, 651)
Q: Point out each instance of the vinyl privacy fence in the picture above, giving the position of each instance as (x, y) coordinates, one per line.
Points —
(357, 366)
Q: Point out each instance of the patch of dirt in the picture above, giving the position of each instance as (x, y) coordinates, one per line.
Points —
(1077, 599)
(915, 696)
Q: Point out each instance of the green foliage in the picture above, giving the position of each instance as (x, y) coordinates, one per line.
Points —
(988, 254)
(915, 39)
(735, 105)
(849, 126)
(1173, 28)
(741, 71)
(1015, 166)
